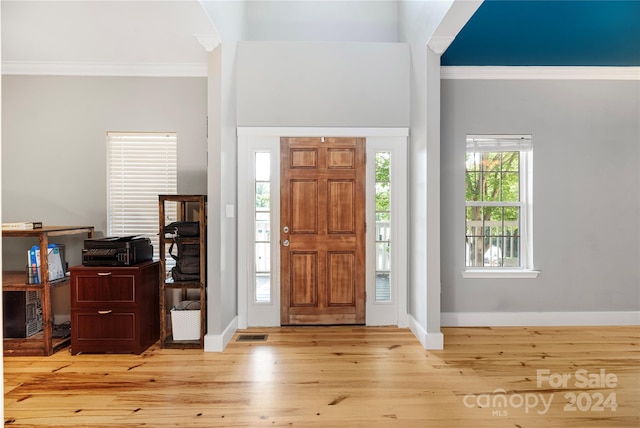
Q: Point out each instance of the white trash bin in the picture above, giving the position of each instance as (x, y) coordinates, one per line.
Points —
(185, 320)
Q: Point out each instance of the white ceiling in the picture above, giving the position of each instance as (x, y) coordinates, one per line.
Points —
(158, 37)
(104, 37)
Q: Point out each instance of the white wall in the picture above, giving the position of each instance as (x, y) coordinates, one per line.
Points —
(357, 21)
(418, 20)
(323, 84)
(295, 21)
(222, 294)
(586, 193)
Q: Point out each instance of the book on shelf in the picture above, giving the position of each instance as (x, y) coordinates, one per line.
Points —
(56, 263)
(22, 225)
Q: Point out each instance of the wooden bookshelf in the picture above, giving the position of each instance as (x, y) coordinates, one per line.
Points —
(41, 343)
(184, 203)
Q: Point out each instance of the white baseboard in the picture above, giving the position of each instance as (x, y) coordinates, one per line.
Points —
(428, 340)
(217, 342)
(505, 319)
(434, 341)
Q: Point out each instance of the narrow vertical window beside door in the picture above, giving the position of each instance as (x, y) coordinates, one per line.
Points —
(383, 227)
(262, 234)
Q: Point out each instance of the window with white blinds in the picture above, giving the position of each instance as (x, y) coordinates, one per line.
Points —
(140, 166)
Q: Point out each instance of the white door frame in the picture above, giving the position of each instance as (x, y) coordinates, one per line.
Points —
(266, 139)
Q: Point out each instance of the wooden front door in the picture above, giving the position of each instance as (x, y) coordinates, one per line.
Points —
(322, 231)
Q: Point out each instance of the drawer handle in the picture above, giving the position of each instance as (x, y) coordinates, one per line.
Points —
(104, 273)
(105, 312)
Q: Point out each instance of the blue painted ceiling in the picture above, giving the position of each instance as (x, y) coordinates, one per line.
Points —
(549, 33)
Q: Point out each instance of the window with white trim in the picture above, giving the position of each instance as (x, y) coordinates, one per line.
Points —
(383, 226)
(498, 202)
(140, 166)
(262, 236)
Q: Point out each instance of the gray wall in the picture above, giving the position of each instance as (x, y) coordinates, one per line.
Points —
(54, 133)
(54, 145)
(586, 192)
(323, 84)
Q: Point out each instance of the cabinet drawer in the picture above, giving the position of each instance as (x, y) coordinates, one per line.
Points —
(103, 287)
(114, 309)
(104, 325)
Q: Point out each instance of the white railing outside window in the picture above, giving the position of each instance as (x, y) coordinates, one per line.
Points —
(383, 226)
(262, 233)
(498, 202)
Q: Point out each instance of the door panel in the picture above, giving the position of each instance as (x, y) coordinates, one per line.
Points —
(342, 282)
(304, 214)
(341, 158)
(323, 231)
(341, 207)
(304, 274)
(304, 158)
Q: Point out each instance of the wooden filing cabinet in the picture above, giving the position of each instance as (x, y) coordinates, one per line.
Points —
(114, 309)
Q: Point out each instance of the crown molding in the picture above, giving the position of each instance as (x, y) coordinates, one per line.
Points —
(439, 44)
(208, 41)
(540, 73)
(200, 70)
(104, 69)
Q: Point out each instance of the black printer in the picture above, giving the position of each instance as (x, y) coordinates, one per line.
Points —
(117, 251)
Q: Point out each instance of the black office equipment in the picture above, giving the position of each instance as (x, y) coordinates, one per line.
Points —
(117, 251)
(22, 313)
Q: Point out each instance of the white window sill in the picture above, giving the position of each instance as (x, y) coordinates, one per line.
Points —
(495, 273)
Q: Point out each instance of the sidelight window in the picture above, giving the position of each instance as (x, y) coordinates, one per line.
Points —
(383, 227)
(262, 229)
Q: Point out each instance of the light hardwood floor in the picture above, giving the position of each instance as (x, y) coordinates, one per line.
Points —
(343, 377)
